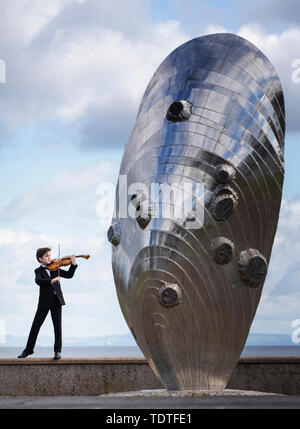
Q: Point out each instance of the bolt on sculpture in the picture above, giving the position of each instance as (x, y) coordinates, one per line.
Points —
(189, 286)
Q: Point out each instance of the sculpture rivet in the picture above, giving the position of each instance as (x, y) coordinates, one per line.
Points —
(145, 210)
(114, 234)
(179, 111)
(253, 267)
(223, 203)
(170, 295)
(225, 173)
(223, 250)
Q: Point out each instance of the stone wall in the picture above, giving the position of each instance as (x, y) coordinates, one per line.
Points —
(45, 377)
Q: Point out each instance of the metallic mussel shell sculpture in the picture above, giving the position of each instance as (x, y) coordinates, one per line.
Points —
(189, 286)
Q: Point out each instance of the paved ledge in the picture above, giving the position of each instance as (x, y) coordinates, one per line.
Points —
(73, 361)
(121, 361)
(88, 377)
(222, 401)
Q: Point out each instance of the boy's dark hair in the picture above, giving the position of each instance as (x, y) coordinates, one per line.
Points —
(41, 252)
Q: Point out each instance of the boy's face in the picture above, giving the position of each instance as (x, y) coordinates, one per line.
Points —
(46, 258)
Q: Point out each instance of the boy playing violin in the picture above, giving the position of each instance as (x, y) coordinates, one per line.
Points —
(50, 298)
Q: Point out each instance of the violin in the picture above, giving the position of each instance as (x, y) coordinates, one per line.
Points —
(56, 264)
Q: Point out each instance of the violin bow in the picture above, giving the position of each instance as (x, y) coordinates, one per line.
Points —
(59, 258)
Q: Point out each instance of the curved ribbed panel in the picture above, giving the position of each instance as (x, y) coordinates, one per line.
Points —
(226, 137)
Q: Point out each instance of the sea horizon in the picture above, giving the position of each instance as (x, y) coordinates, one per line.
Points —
(124, 345)
(7, 352)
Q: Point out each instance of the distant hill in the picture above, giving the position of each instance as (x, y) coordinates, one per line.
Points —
(127, 340)
(269, 340)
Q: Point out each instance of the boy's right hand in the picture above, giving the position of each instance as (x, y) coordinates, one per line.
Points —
(55, 280)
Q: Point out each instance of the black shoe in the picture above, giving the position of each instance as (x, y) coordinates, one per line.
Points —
(57, 356)
(24, 354)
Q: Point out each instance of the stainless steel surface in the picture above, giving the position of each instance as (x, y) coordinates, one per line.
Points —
(211, 124)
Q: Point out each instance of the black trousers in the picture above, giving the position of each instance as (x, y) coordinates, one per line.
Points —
(39, 319)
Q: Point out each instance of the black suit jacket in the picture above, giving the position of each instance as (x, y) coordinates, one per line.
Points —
(47, 296)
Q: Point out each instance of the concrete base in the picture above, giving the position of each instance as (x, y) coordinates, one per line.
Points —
(46, 377)
(163, 393)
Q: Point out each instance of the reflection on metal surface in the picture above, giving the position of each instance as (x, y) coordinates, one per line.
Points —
(210, 136)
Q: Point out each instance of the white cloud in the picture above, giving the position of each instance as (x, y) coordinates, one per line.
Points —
(21, 20)
(70, 66)
(280, 302)
(70, 194)
(9, 237)
(83, 65)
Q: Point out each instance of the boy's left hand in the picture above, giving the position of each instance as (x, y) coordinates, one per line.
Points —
(73, 259)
